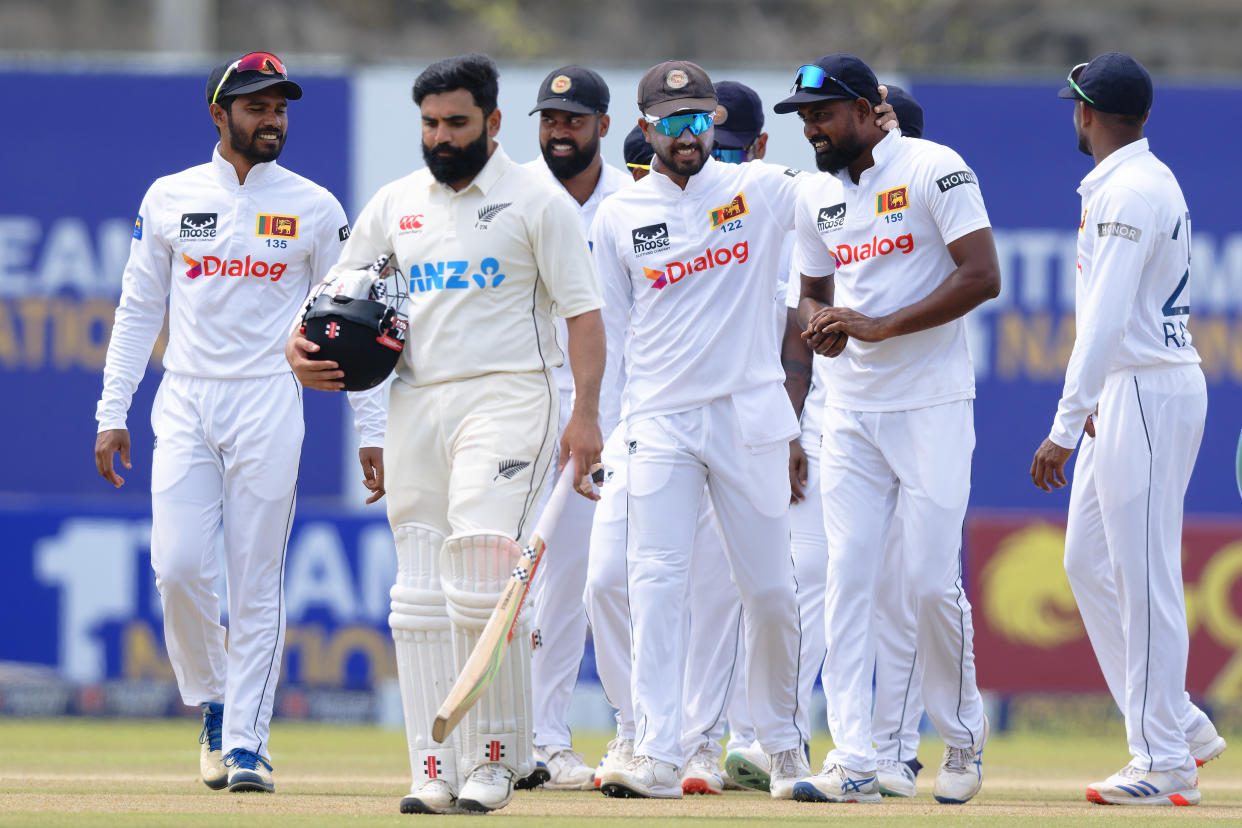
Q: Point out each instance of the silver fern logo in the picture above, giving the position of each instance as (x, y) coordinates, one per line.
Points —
(510, 468)
(489, 212)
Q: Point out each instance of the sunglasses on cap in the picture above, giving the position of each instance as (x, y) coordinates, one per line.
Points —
(264, 62)
(674, 125)
(1072, 78)
(634, 166)
(811, 76)
(731, 155)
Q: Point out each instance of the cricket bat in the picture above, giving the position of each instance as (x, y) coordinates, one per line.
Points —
(484, 662)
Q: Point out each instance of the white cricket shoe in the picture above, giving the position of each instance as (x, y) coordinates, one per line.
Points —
(789, 767)
(643, 776)
(961, 771)
(748, 767)
(434, 796)
(1132, 786)
(616, 756)
(1205, 744)
(489, 787)
(702, 773)
(895, 778)
(211, 748)
(249, 772)
(567, 771)
(837, 783)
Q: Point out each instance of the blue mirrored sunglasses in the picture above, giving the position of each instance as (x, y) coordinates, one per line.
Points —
(674, 125)
(729, 155)
(811, 76)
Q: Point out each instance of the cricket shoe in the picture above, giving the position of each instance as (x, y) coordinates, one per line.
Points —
(248, 772)
(789, 767)
(961, 771)
(1132, 786)
(643, 777)
(748, 767)
(434, 796)
(211, 752)
(618, 753)
(1206, 744)
(895, 778)
(566, 771)
(489, 787)
(837, 783)
(702, 773)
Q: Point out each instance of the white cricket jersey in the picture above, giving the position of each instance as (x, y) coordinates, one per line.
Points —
(696, 271)
(885, 238)
(1132, 299)
(233, 262)
(488, 268)
(610, 180)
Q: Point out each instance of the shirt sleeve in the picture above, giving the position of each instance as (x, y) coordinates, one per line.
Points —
(952, 194)
(618, 299)
(1125, 231)
(370, 414)
(811, 256)
(139, 315)
(563, 258)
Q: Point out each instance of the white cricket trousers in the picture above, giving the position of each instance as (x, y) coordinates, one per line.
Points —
(672, 457)
(1123, 545)
(226, 453)
(912, 466)
(559, 611)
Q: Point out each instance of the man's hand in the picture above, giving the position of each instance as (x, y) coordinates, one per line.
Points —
(832, 320)
(108, 443)
(372, 460)
(582, 441)
(1048, 467)
(797, 471)
(319, 374)
(885, 117)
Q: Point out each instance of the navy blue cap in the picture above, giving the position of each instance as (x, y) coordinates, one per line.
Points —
(846, 78)
(1113, 82)
(739, 115)
(572, 89)
(637, 150)
(908, 111)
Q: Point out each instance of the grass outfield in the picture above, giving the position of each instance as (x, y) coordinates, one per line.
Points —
(144, 773)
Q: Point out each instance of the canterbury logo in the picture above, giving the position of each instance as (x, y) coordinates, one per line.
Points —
(489, 212)
(510, 468)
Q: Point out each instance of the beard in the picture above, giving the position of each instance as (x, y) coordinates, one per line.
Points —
(459, 162)
(840, 155)
(248, 147)
(567, 166)
(684, 167)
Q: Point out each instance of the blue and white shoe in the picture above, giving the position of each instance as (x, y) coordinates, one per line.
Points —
(1132, 786)
(248, 772)
(961, 771)
(211, 751)
(837, 783)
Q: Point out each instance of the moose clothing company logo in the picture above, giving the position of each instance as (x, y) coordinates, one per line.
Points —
(276, 227)
(711, 258)
(726, 213)
(650, 239)
(831, 218)
(198, 225)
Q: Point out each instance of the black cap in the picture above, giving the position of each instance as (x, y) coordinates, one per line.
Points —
(846, 78)
(675, 86)
(906, 108)
(739, 115)
(572, 89)
(1113, 82)
(245, 82)
(637, 150)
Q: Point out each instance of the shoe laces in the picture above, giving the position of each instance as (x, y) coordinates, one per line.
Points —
(492, 773)
(958, 759)
(896, 766)
(245, 759)
(704, 757)
(1131, 772)
(622, 745)
(786, 764)
(568, 756)
(213, 723)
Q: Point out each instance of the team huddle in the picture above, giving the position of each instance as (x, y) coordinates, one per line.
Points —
(770, 366)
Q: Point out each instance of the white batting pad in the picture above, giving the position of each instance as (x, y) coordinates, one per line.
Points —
(423, 638)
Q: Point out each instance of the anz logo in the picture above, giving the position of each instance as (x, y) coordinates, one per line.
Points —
(455, 275)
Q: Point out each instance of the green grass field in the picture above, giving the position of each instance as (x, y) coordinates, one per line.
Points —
(144, 773)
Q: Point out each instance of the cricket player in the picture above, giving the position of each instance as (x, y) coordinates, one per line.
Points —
(894, 247)
(1134, 385)
(689, 257)
(637, 153)
(231, 247)
(492, 250)
(572, 105)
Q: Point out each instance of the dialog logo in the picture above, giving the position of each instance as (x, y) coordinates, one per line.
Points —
(845, 254)
(711, 258)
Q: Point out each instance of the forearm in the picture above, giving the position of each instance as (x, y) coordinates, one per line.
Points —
(817, 294)
(587, 357)
(796, 359)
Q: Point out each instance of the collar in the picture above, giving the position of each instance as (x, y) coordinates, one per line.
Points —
(881, 154)
(701, 180)
(1112, 162)
(227, 175)
(486, 178)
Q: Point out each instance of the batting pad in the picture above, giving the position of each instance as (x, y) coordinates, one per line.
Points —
(423, 638)
(474, 571)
